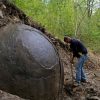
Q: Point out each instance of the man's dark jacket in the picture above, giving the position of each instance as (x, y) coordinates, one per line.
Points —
(77, 48)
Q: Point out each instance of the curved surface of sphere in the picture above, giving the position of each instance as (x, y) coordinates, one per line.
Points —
(29, 63)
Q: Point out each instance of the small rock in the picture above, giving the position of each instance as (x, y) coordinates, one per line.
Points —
(67, 98)
(1, 14)
(82, 98)
(15, 19)
(2, 6)
(97, 74)
(93, 98)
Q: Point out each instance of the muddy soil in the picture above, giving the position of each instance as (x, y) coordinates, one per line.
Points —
(88, 91)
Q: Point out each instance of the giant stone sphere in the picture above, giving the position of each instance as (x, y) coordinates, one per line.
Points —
(29, 63)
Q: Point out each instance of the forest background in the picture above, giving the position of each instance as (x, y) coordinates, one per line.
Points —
(76, 18)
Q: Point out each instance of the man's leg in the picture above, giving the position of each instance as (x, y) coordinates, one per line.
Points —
(83, 76)
(78, 70)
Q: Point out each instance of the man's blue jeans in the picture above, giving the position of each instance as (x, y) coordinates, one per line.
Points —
(80, 75)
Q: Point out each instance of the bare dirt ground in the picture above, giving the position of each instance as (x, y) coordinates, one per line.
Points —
(88, 91)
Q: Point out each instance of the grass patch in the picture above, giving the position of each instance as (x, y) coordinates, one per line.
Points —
(92, 41)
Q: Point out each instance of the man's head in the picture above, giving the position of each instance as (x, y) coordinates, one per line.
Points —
(67, 39)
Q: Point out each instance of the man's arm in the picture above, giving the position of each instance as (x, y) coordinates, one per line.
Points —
(75, 50)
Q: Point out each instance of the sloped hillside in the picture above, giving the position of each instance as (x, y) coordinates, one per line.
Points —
(9, 13)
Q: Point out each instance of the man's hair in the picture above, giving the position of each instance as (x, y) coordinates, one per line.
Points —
(66, 38)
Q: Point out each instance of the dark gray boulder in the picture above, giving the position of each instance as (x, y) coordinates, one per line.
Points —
(29, 63)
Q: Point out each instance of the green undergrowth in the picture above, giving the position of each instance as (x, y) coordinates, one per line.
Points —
(92, 41)
(36, 12)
